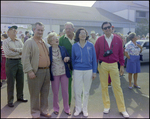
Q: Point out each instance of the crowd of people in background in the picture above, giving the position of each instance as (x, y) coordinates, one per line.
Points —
(60, 58)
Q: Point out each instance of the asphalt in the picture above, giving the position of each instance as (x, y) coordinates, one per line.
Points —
(136, 100)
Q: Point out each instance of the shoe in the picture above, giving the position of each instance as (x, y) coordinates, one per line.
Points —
(22, 100)
(137, 87)
(106, 111)
(56, 113)
(76, 113)
(45, 115)
(85, 114)
(69, 114)
(125, 114)
(10, 104)
(130, 87)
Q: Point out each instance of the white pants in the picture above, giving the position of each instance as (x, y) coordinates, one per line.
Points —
(82, 80)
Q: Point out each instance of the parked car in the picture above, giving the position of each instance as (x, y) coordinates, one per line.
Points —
(145, 50)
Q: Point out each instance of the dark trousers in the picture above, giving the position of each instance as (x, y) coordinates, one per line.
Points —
(14, 71)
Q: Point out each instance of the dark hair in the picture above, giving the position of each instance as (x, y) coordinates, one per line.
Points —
(26, 32)
(106, 22)
(5, 35)
(78, 32)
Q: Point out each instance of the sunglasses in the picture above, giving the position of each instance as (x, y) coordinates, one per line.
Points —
(105, 28)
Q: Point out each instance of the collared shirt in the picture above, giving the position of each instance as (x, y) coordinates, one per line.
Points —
(92, 40)
(109, 40)
(70, 40)
(17, 45)
(44, 60)
(132, 49)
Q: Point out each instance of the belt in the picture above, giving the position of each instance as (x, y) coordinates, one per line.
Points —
(13, 59)
(43, 67)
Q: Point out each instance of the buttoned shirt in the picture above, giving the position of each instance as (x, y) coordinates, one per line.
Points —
(70, 40)
(92, 40)
(132, 49)
(17, 45)
(44, 60)
(109, 40)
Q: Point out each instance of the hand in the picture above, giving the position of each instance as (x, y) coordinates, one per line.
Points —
(31, 75)
(66, 59)
(139, 46)
(12, 49)
(128, 57)
(121, 70)
(94, 76)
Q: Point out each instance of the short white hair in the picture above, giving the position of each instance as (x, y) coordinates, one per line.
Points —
(69, 23)
(50, 36)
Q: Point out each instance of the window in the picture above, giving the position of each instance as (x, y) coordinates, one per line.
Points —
(140, 14)
(146, 44)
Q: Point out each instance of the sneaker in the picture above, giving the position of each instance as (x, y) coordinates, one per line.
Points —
(76, 113)
(125, 114)
(137, 87)
(85, 114)
(106, 110)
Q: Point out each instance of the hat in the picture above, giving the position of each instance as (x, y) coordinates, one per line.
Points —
(12, 27)
(92, 32)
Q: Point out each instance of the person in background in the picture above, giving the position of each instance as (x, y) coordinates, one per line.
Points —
(139, 37)
(127, 39)
(22, 38)
(27, 35)
(67, 41)
(3, 62)
(14, 72)
(93, 39)
(45, 39)
(132, 52)
(59, 72)
(84, 70)
(36, 62)
(109, 51)
(143, 37)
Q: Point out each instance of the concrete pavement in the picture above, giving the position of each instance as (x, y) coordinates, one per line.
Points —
(136, 100)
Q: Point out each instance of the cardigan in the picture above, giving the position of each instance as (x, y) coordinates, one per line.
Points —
(64, 54)
(116, 47)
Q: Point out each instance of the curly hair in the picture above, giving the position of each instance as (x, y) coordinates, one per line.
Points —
(78, 32)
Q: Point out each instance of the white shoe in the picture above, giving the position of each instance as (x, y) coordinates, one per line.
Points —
(76, 113)
(106, 110)
(125, 114)
(85, 114)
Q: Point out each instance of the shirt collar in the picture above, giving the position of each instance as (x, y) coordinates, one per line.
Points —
(111, 36)
(11, 40)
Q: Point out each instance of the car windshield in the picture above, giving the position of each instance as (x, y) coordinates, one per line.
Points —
(139, 42)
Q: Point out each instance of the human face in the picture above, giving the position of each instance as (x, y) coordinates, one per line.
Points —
(107, 29)
(38, 31)
(82, 35)
(54, 41)
(93, 35)
(12, 33)
(69, 29)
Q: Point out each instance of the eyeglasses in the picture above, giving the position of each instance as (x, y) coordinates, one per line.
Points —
(105, 28)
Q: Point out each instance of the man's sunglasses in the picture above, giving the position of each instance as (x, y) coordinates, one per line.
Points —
(107, 27)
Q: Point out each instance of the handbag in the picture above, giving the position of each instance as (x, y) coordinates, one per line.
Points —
(141, 57)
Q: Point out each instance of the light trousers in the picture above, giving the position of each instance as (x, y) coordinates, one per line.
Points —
(63, 80)
(82, 83)
(112, 70)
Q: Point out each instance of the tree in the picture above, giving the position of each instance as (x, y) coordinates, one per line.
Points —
(142, 27)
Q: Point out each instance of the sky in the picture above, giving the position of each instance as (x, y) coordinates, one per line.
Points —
(76, 3)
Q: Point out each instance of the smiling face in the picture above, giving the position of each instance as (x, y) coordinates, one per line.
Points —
(107, 29)
(82, 35)
(54, 41)
(69, 29)
(38, 31)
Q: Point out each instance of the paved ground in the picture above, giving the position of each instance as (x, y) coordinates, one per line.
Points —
(136, 100)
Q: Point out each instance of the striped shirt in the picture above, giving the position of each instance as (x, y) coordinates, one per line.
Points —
(17, 45)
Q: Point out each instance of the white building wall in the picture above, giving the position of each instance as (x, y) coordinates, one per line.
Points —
(46, 30)
(125, 31)
(123, 13)
(56, 28)
(132, 15)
